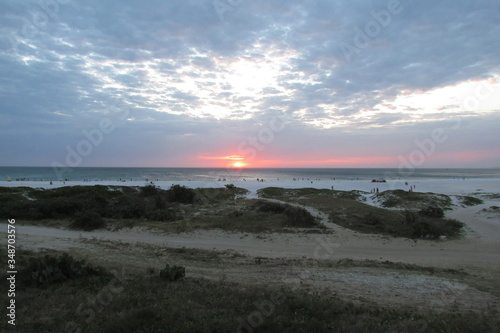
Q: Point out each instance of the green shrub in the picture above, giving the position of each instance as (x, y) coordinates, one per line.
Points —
(150, 190)
(127, 207)
(372, 219)
(235, 214)
(410, 217)
(172, 273)
(423, 229)
(471, 201)
(433, 228)
(162, 215)
(88, 220)
(61, 207)
(432, 211)
(14, 204)
(405, 199)
(218, 194)
(269, 207)
(133, 321)
(182, 194)
(97, 202)
(160, 202)
(454, 224)
(298, 217)
(50, 269)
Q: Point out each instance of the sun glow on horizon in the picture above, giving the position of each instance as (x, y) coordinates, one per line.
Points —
(232, 161)
(238, 165)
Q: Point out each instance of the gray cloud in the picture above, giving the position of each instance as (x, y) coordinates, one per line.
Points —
(173, 64)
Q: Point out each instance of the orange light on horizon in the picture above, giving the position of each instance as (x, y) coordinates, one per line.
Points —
(232, 161)
(230, 157)
(234, 157)
(238, 165)
(239, 161)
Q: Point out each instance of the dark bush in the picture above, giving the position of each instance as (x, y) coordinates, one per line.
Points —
(471, 201)
(432, 212)
(127, 207)
(61, 192)
(173, 273)
(372, 219)
(61, 207)
(162, 215)
(298, 217)
(182, 194)
(133, 321)
(454, 224)
(51, 269)
(96, 202)
(88, 220)
(150, 190)
(410, 217)
(14, 204)
(235, 214)
(423, 229)
(269, 207)
(160, 202)
(433, 228)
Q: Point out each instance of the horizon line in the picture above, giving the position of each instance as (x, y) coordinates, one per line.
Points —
(242, 168)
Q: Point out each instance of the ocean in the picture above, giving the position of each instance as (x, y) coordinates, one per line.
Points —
(214, 174)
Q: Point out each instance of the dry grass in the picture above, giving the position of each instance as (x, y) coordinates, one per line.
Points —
(134, 302)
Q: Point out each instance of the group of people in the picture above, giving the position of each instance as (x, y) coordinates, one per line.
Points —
(412, 187)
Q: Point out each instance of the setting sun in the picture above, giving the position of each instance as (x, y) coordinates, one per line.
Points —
(238, 165)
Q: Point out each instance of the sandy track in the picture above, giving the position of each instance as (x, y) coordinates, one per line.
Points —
(391, 287)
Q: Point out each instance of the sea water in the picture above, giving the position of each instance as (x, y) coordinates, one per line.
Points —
(235, 174)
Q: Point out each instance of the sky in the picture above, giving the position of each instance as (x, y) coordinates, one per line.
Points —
(240, 83)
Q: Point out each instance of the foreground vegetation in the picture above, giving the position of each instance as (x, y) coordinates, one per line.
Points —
(182, 209)
(178, 209)
(413, 200)
(425, 219)
(135, 302)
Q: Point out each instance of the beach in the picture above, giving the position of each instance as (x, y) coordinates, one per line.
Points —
(367, 268)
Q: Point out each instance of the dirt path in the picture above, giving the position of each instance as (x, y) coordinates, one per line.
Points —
(391, 286)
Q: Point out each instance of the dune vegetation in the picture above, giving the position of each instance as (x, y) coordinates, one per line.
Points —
(178, 209)
(412, 215)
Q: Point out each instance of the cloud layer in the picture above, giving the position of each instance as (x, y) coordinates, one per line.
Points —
(321, 83)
